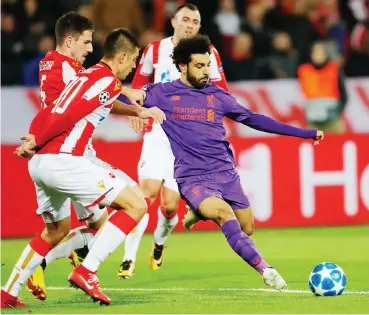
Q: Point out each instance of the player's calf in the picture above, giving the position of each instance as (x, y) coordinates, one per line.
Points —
(27, 263)
(248, 228)
(110, 236)
(126, 269)
(167, 220)
(220, 212)
(246, 220)
(56, 231)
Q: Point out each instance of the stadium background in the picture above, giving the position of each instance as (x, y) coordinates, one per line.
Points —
(292, 184)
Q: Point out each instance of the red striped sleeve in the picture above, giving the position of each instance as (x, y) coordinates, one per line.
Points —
(220, 80)
(145, 70)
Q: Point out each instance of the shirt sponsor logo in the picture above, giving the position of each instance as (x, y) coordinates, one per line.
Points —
(89, 70)
(210, 99)
(211, 115)
(189, 113)
(46, 65)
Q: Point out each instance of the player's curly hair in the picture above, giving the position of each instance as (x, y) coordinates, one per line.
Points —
(199, 44)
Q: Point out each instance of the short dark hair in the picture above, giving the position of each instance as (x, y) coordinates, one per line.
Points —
(199, 44)
(72, 24)
(120, 39)
(190, 6)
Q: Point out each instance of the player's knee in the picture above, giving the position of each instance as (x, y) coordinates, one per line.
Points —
(137, 209)
(140, 212)
(224, 215)
(150, 190)
(151, 195)
(137, 213)
(248, 228)
(169, 206)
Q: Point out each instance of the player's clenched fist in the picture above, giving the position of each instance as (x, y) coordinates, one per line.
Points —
(136, 97)
(319, 136)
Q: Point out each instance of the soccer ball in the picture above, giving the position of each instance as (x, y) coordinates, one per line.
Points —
(327, 279)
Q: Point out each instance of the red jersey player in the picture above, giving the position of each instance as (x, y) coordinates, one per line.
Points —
(59, 136)
(155, 168)
(74, 41)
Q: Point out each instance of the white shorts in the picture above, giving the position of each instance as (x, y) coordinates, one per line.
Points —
(61, 178)
(94, 213)
(157, 161)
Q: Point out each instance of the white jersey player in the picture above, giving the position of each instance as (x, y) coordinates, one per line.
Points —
(156, 165)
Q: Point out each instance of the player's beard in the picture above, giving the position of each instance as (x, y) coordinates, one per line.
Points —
(196, 83)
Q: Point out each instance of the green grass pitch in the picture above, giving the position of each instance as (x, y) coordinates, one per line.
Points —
(201, 274)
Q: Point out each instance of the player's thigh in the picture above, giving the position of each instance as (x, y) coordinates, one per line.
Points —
(152, 167)
(82, 181)
(53, 206)
(216, 209)
(170, 197)
(130, 202)
(138, 190)
(246, 220)
(99, 217)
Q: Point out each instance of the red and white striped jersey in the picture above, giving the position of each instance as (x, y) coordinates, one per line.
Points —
(156, 65)
(56, 70)
(85, 102)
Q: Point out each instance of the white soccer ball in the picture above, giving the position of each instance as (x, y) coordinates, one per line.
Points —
(327, 279)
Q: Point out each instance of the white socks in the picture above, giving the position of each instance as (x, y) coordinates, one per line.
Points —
(134, 238)
(109, 237)
(77, 238)
(27, 263)
(164, 227)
